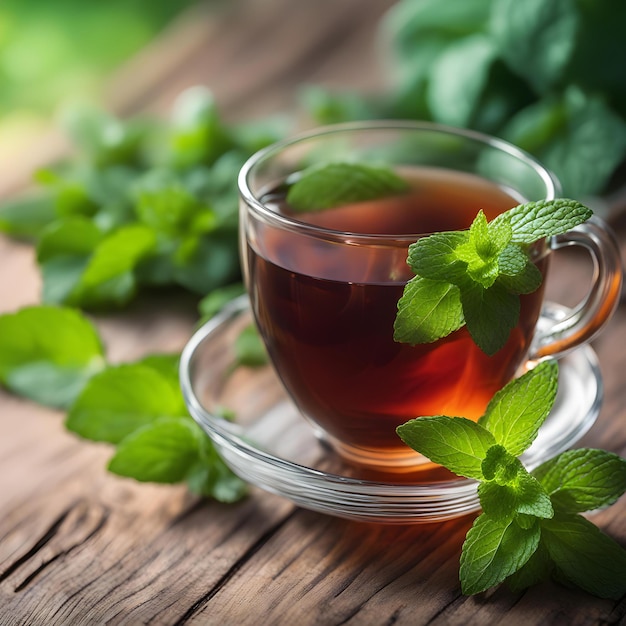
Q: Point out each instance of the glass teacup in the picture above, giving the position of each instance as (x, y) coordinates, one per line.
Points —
(324, 286)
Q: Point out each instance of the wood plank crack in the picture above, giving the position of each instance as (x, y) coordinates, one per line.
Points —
(254, 548)
(72, 528)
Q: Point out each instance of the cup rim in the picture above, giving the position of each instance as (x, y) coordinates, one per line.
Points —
(289, 223)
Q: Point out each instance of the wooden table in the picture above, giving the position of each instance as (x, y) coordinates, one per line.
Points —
(81, 546)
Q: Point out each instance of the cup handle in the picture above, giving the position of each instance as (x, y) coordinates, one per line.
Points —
(588, 318)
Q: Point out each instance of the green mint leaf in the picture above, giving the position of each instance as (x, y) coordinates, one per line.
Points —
(197, 136)
(117, 254)
(516, 412)
(203, 263)
(535, 220)
(48, 354)
(82, 267)
(457, 78)
(501, 466)
(490, 315)
(162, 452)
(211, 477)
(167, 366)
(427, 311)
(121, 399)
(589, 141)
(27, 217)
(249, 348)
(583, 479)
(215, 301)
(335, 184)
(528, 280)
(435, 257)
(537, 569)
(165, 205)
(482, 251)
(536, 39)
(493, 550)
(71, 237)
(585, 556)
(512, 260)
(454, 442)
(524, 494)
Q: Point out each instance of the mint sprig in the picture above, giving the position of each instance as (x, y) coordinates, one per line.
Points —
(475, 277)
(530, 528)
(54, 355)
(331, 185)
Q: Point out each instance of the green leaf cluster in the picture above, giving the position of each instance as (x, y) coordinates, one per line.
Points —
(141, 204)
(545, 74)
(475, 277)
(530, 528)
(53, 355)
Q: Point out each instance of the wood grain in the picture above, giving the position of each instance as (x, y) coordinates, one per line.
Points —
(80, 546)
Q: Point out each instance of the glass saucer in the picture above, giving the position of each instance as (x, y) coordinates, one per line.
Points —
(269, 444)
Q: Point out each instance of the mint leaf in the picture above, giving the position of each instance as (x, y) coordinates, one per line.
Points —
(524, 494)
(47, 353)
(534, 220)
(527, 280)
(501, 466)
(454, 442)
(83, 267)
(122, 399)
(204, 262)
(249, 348)
(427, 311)
(27, 217)
(537, 569)
(483, 248)
(165, 364)
(585, 556)
(590, 145)
(536, 39)
(211, 477)
(335, 184)
(493, 550)
(215, 301)
(435, 257)
(512, 260)
(197, 136)
(516, 412)
(71, 237)
(583, 479)
(118, 253)
(458, 77)
(165, 205)
(490, 315)
(163, 451)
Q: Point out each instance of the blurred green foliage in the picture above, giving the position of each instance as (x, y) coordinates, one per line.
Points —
(548, 75)
(141, 204)
(50, 49)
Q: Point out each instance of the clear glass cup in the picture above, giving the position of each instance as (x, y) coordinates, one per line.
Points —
(324, 286)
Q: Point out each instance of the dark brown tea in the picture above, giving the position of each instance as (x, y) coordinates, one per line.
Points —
(325, 307)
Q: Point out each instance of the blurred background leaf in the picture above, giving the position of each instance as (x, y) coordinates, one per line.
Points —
(49, 49)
